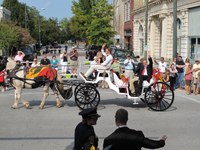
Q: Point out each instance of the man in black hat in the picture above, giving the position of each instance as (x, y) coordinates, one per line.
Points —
(85, 137)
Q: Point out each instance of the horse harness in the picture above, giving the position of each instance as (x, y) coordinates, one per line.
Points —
(39, 81)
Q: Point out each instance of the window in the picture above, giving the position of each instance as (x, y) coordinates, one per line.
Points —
(127, 11)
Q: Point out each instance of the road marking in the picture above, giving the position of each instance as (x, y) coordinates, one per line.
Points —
(189, 98)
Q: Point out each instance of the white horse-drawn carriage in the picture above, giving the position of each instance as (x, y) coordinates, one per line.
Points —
(157, 94)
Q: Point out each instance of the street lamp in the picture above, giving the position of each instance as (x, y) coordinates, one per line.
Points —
(174, 29)
(39, 29)
(146, 30)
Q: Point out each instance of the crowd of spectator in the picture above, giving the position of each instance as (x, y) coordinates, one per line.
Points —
(68, 64)
(179, 74)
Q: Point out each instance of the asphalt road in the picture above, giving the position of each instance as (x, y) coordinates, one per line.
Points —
(53, 128)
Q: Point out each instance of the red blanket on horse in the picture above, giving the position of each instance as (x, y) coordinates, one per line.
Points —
(41, 71)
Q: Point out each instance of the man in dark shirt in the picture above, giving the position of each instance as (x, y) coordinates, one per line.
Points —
(45, 61)
(180, 65)
(144, 71)
(125, 138)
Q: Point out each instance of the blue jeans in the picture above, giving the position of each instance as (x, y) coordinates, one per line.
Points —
(179, 80)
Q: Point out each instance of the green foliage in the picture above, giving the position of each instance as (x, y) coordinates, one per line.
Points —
(13, 36)
(92, 21)
(8, 35)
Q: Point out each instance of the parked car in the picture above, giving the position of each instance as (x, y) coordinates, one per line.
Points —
(121, 55)
(91, 51)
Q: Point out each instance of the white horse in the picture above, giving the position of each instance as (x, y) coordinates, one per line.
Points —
(18, 81)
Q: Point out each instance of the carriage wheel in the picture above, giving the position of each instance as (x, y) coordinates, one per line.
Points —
(81, 85)
(87, 97)
(159, 96)
(78, 87)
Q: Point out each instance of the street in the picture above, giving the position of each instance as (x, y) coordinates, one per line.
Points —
(53, 128)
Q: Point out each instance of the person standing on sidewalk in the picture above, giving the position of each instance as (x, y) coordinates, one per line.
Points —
(196, 72)
(73, 55)
(64, 62)
(129, 67)
(162, 65)
(188, 78)
(173, 75)
(180, 65)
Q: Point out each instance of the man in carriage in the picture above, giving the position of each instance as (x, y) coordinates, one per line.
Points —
(103, 66)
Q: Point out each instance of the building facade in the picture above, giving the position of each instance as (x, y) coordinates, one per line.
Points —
(160, 28)
(128, 24)
(4, 14)
(123, 23)
(118, 22)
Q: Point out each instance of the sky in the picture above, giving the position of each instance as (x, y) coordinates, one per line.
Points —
(51, 8)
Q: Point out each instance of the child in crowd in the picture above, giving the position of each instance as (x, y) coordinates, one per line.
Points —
(188, 78)
(26, 67)
(173, 75)
(2, 80)
(166, 76)
(198, 84)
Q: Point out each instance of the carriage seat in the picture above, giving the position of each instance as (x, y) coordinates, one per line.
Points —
(118, 82)
(145, 83)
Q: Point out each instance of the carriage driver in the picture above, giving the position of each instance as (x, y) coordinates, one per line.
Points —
(105, 65)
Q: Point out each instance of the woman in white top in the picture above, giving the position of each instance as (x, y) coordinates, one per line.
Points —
(64, 62)
(35, 63)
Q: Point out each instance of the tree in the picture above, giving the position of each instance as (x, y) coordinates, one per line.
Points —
(13, 36)
(8, 36)
(18, 11)
(92, 21)
(65, 31)
(100, 30)
(80, 21)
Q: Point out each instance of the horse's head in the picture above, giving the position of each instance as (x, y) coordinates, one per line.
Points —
(10, 64)
(3, 62)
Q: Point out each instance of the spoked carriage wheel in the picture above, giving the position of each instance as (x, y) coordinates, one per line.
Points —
(78, 87)
(87, 97)
(159, 96)
(81, 85)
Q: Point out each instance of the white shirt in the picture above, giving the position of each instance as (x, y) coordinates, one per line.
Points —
(103, 52)
(19, 57)
(128, 64)
(35, 64)
(108, 61)
(162, 66)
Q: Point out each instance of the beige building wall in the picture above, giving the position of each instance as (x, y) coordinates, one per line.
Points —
(160, 27)
(118, 21)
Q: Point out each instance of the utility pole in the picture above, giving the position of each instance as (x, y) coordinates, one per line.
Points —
(25, 18)
(146, 30)
(174, 29)
(39, 29)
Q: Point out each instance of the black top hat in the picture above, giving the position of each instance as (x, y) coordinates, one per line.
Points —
(89, 113)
